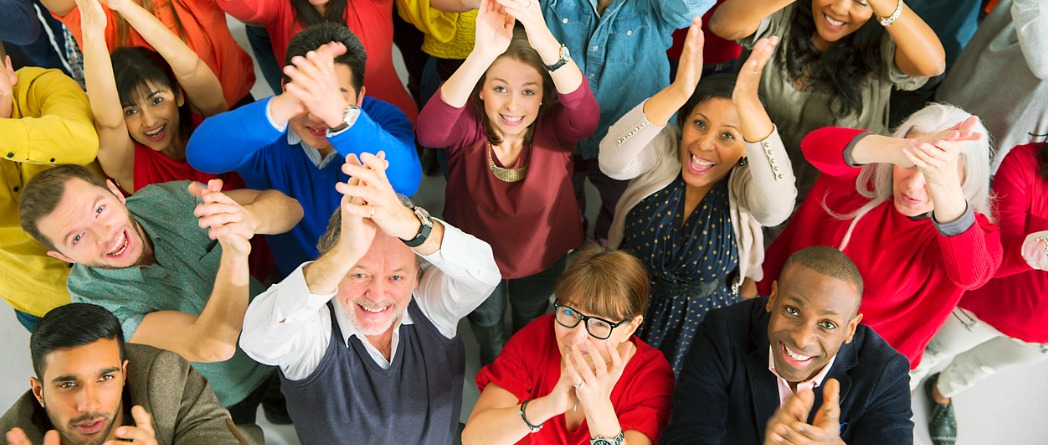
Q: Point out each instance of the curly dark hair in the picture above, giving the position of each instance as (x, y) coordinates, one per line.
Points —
(840, 69)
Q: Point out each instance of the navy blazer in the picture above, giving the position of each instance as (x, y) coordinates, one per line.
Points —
(726, 393)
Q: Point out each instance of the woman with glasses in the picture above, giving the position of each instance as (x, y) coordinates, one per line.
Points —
(579, 376)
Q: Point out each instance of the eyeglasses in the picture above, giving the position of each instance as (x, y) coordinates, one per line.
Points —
(599, 328)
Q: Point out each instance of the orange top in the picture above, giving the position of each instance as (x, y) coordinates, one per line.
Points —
(205, 31)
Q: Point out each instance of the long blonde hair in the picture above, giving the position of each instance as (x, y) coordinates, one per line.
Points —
(876, 180)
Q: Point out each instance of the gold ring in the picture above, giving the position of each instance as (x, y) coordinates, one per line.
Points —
(373, 213)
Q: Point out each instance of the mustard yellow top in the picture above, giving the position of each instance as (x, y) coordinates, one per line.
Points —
(50, 124)
(446, 35)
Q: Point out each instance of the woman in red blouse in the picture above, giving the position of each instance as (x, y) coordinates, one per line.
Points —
(911, 210)
(580, 374)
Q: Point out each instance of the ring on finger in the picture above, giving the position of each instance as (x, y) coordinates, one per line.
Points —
(372, 213)
(578, 385)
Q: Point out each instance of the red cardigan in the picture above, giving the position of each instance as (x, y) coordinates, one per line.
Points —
(372, 21)
(913, 275)
(1014, 302)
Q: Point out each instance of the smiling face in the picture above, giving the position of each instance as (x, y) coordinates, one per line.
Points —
(313, 129)
(512, 93)
(81, 390)
(91, 226)
(835, 19)
(711, 143)
(811, 316)
(152, 117)
(376, 291)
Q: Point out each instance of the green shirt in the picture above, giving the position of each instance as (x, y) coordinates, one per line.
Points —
(181, 280)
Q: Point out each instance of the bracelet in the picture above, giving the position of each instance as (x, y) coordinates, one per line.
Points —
(521, 412)
(887, 21)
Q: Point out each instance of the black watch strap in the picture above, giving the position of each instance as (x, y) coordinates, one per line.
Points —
(426, 225)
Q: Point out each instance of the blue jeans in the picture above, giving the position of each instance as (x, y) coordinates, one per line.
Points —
(528, 298)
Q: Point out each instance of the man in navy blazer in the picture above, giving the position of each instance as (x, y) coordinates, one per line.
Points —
(754, 367)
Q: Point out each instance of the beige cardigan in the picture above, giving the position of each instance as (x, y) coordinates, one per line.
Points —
(761, 192)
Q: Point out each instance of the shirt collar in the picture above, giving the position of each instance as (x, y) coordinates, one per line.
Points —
(349, 329)
(784, 388)
(311, 153)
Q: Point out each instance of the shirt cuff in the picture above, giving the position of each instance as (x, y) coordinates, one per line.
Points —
(957, 227)
(847, 153)
(269, 118)
(294, 300)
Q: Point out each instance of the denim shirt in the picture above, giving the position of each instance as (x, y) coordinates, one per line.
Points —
(622, 52)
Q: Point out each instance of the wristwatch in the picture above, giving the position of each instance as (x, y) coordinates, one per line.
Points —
(564, 54)
(349, 117)
(426, 223)
(602, 440)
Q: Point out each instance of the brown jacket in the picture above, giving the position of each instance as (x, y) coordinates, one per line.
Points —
(183, 406)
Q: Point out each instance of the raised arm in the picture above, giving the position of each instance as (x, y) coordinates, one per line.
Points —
(492, 33)
(259, 12)
(919, 51)
(116, 152)
(197, 80)
(568, 77)
(736, 19)
(627, 151)
(232, 218)
(61, 132)
(770, 192)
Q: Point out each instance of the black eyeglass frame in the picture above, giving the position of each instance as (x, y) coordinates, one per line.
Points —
(583, 319)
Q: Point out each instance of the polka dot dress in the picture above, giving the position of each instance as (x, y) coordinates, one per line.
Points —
(688, 262)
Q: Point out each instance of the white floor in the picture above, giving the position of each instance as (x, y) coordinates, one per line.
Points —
(1007, 408)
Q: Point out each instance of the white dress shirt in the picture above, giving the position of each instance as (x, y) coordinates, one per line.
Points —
(458, 278)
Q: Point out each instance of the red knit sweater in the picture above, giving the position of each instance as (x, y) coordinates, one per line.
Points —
(1014, 302)
(913, 275)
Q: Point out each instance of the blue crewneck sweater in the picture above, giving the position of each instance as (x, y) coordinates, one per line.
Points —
(243, 140)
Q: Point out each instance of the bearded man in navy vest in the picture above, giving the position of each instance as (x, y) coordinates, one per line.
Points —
(365, 338)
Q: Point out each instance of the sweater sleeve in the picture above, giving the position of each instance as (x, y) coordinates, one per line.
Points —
(973, 257)
(383, 127)
(441, 125)
(438, 24)
(56, 126)
(1011, 187)
(227, 141)
(259, 12)
(631, 147)
(824, 149)
(770, 193)
(574, 118)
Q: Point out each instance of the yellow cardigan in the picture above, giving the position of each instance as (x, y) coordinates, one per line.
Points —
(446, 35)
(50, 124)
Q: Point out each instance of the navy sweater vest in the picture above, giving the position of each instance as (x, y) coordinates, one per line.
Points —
(350, 399)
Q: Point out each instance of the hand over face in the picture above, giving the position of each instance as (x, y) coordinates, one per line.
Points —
(599, 370)
(317, 83)
(226, 220)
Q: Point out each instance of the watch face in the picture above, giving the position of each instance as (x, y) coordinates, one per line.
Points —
(564, 52)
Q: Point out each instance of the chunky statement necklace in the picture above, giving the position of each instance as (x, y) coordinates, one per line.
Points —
(506, 174)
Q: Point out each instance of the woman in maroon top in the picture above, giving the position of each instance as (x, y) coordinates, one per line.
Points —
(510, 117)
(581, 374)
(1004, 323)
(914, 219)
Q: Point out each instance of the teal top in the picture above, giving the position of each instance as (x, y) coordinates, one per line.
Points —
(181, 280)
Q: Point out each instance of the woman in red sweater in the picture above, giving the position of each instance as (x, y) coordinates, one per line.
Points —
(510, 117)
(580, 374)
(914, 219)
(1004, 323)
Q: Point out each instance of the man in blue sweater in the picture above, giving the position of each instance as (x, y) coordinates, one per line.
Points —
(295, 142)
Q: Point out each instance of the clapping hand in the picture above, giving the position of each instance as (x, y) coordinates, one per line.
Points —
(316, 84)
(493, 29)
(18, 437)
(788, 424)
(691, 64)
(597, 374)
(141, 433)
(1034, 250)
(226, 220)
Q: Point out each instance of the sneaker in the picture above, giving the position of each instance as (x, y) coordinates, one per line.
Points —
(942, 417)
